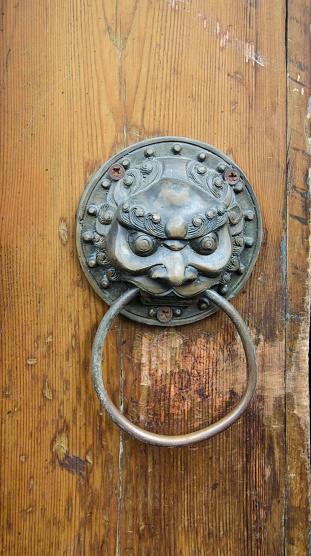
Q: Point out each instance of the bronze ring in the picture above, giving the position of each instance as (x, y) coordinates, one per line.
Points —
(183, 439)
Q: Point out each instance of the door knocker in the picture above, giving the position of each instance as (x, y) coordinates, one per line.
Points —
(168, 231)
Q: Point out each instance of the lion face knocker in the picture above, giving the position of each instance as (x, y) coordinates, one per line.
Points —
(173, 217)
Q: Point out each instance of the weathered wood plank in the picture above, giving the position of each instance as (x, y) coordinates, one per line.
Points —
(208, 80)
(298, 280)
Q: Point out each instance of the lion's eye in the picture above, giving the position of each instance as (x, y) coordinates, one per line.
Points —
(142, 244)
(206, 245)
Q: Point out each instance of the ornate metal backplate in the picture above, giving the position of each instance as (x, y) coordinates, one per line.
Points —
(174, 217)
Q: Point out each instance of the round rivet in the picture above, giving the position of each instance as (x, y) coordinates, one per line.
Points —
(197, 221)
(93, 210)
(125, 207)
(221, 210)
(218, 182)
(249, 215)
(223, 290)
(87, 236)
(156, 217)
(104, 283)
(147, 168)
(211, 213)
(96, 237)
(221, 167)
(177, 312)
(238, 188)
(139, 211)
(149, 152)
(128, 180)
(125, 163)
(164, 314)
(177, 148)
(152, 312)
(201, 156)
(100, 257)
(105, 183)
(203, 304)
(107, 217)
(201, 170)
(249, 242)
(241, 269)
(92, 261)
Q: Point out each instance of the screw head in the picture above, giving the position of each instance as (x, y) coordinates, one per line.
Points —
(164, 314)
(232, 176)
(116, 172)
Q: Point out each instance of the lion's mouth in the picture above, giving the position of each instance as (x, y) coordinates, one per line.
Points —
(156, 293)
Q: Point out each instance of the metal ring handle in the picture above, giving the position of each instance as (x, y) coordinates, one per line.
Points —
(183, 439)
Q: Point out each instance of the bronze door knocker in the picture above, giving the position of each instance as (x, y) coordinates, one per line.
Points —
(168, 231)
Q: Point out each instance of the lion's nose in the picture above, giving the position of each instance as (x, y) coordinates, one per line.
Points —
(174, 272)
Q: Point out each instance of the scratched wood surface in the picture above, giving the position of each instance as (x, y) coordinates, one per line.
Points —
(81, 80)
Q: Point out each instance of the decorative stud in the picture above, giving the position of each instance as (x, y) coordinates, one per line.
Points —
(156, 217)
(177, 148)
(241, 269)
(92, 210)
(87, 236)
(106, 217)
(239, 241)
(223, 289)
(201, 156)
(221, 167)
(152, 312)
(126, 163)
(238, 188)
(104, 283)
(221, 210)
(201, 169)
(147, 168)
(211, 213)
(105, 183)
(249, 215)
(249, 242)
(149, 152)
(203, 304)
(177, 312)
(92, 261)
(218, 182)
(128, 180)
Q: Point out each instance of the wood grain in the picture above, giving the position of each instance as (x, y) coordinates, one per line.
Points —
(81, 80)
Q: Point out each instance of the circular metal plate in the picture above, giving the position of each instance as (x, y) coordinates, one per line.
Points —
(201, 166)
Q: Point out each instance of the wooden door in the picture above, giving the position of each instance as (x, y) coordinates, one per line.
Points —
(81, 79)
